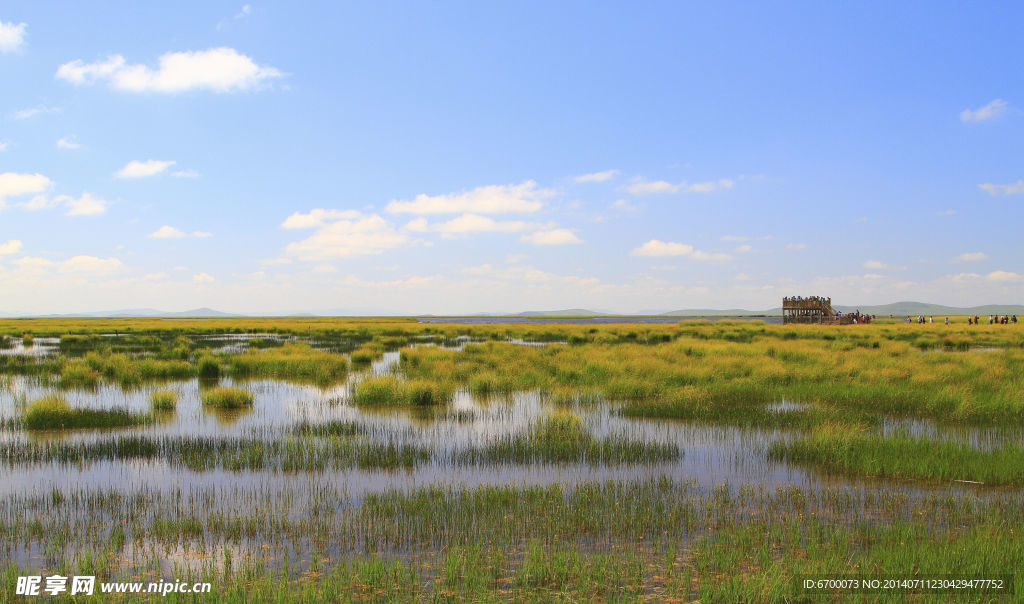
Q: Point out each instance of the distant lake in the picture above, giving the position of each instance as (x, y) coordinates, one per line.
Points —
(589, 320)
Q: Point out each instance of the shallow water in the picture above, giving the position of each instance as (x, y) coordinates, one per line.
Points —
(590, 320)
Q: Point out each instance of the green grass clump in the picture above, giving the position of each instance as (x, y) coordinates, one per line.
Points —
(852, 450)
(389, 390)
(208, 368)
(79, 374)
(27, 340)
(384, 390)
(53, 413)
(292, 361)
(164, 400)
(363, 356)
(225, 397)
(561, 437)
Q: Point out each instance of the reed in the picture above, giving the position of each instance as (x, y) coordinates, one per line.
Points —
(53, 413)
(391, 390)
(164, 400)
(560, 437)
(853, 450)
(292, 361)
(226, 397)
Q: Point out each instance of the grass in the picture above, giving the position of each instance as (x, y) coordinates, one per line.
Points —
(391, 390)
(164, 400)
(560, 437)
(853, 450)
(53, 413)
(226, 397)
(649, 539)
(260, 536)
(299, 453)
(292, 361)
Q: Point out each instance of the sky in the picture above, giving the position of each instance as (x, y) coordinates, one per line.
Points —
(461, 157)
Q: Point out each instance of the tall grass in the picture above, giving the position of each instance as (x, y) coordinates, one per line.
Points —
(561, 437)
(53, 413)
(164, 400)
(292, 361)
(226, 397)
(852, 450)
(390, 390)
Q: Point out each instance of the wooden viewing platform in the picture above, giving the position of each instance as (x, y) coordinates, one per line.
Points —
(812, 309)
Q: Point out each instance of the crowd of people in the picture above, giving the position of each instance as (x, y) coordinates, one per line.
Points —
(818, 299)
(994, 320)
(854, 317)
(975, 320)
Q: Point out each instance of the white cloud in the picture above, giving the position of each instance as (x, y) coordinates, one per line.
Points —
(245, 11)
(624, 205)
(76, 265)
(971, 257)
(203, 278)
(1015, 188)
(552, 237)
(166, 232)
(482, 269)
(142, 169)
(1004, 277)
(24, 114)
(469, 223)
(741, 277)
(596, 176)
(202, 234)
(217, 69)
(13, 184)
(39, 202)
(493, 199)
(991, 111)
(11, 247)
(657, 248)
(734, 238)
(743, 249)
(185, 174)
(92, 265)
(796, 246)
(324, 269)
(317, 218)
(879, 265)
(156, 276)
(945, 213)
(642, 187)
(86, 205)
(358, 235)
(68, 142)
(12, 36)
(4, 145)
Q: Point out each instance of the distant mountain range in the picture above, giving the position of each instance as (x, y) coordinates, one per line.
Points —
(896, 309)
(138, 313)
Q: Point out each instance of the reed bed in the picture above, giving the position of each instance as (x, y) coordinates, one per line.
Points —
(655, 539)
(53, 413)
(391, 390)
(201, 454)
(265, 536)
(561, 437)
(164, 400)
(292, 361)
(226, 397)
(853, 450)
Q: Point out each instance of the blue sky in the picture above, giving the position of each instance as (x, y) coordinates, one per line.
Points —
(465, 157)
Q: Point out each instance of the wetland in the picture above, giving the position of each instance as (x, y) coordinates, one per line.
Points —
(309, 459)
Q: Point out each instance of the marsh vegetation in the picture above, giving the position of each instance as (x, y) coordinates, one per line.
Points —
(320, 459)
